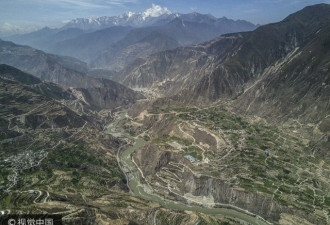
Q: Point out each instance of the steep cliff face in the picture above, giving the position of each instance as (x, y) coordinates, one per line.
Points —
(266, 47)
(295, 86)
(224, 194)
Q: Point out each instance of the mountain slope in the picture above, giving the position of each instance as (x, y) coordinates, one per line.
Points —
(263, 48)
(216, 158)
(125, 51)
(35, 38)
(54, 69)
(195, 29)
(297, 81)
(45, 38)
(52, 157)
(87, 45)
(297, 90)
(244, 120)
(230, 65)
(50, 90)
(171, 71)
(279, 72)
(42, 141)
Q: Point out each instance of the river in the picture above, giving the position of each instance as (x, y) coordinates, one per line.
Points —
(138, 189)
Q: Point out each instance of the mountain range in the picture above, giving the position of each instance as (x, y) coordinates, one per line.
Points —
(152, 16)
(205, 120)
(267, 72)
(68, 72)
(263, 95)
(113, 42)
(233, 64)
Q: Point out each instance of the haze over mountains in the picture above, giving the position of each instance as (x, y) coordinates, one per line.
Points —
(66, 71)
(167, 118)
(152, 16)
(112, 42)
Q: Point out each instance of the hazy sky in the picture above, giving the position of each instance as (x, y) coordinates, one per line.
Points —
(26, 14)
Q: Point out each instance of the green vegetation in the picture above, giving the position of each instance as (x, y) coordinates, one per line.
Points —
(263, 158)
(194, 152)
(172, 109)
(216, 117)
(167, 138)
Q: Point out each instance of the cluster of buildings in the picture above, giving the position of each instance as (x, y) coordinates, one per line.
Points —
(194, 160)
(26, 160)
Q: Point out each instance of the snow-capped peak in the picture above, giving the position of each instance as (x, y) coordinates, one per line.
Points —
(155, 11)
(129, 14)
(134, 19)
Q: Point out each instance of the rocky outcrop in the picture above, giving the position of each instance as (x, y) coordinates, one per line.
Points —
(219, 194)
(224, 194)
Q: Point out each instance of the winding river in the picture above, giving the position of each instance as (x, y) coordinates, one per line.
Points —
(133, 179)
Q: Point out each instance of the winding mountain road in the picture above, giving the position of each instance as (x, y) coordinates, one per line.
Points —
(133, 176)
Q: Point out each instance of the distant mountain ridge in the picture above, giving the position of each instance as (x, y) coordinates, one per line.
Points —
(155, 14)
(183, 30)
(87, 45)
(65, 71)
(112, 42)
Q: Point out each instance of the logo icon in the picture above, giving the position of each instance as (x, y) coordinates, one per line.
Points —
(11, 222)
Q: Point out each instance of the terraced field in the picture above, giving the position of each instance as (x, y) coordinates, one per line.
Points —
(140, 189)
(246, 155)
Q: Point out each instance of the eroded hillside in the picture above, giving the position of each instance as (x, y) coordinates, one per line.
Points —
(214, 157)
